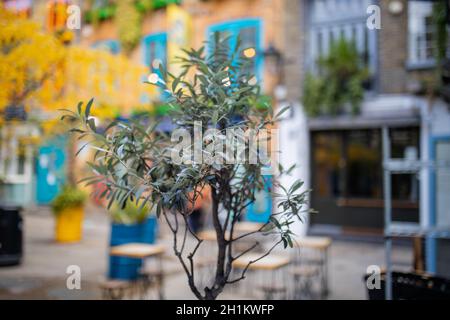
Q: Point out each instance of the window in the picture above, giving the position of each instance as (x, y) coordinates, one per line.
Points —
(331, 20)
(347, 178)
(363, 159)
(420, 32)
(155, 54)
(348, 164)
(441, 182)
(112, 46)
(249, 31)
(15, 154)
(405, 143)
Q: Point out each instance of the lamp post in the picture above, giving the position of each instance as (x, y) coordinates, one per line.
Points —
(276, 62)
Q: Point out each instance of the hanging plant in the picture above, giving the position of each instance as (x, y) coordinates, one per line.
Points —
(338, 87)
(128, 24)
(97, 14)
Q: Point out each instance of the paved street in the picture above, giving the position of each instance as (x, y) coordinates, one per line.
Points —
(42, 274)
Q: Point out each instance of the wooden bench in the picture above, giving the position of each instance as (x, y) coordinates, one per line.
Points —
(271, 290)
(302, 281)
(114, 289)
(321, 246)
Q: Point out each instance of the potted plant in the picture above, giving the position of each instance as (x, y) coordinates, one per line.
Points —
(68, 208)
(171, 174)
(130, 224)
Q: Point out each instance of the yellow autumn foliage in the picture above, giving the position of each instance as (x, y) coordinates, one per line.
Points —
(41, 73)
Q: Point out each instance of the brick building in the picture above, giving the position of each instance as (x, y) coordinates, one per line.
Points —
(272, 27)
(346, 153)
(340, 157)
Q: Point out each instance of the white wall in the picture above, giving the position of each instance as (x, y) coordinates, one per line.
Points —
(294, 147)
(440, 119)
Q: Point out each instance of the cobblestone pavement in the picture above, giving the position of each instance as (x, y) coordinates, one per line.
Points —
(42, 275)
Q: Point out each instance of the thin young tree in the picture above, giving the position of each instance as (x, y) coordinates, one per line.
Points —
(214, 97)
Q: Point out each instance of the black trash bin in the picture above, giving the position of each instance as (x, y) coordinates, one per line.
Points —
(412, 286)
(10, 235)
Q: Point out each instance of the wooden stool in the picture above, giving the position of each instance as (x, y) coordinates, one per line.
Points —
(271, 290)
(155, 277)
(303, 276)
(114, 289)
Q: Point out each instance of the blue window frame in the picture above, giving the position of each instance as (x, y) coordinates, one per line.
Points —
(250, 32)
(155, 51)
(438, 152)
(112, 46)
(154, 48)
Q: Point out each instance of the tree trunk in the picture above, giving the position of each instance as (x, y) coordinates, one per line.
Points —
(70, 169)
(219, 282)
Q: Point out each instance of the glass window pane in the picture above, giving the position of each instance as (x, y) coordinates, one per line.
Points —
(319, 44)
(420, 29)
(248, 40)
(21, 159)
(405, 143)
(327, 158)
(405, 187)
(152, 54)
(364, 179)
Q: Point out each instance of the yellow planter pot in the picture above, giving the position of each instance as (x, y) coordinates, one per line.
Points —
(69, 225)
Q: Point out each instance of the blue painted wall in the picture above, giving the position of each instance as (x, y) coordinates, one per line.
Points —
(50, 170)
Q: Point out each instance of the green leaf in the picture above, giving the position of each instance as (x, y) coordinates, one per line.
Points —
(215, 116)
(87, 111)
(81, 149)
(91, 123)
(283, 110)
(297, 185)
(175, 83)
(80, 104)
(158, 209)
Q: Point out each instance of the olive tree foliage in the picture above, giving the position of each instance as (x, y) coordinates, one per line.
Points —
(135, 161)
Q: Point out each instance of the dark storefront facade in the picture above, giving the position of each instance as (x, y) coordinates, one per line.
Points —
(347, 177)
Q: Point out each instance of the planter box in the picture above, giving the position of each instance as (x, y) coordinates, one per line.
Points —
(128, 268)
(69, 225)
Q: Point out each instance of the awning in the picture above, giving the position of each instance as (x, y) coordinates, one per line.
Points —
(361, 122)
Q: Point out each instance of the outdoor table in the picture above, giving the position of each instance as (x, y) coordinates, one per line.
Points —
(247, 227)
(207, 235)
(240, 228)
(142, 251)
(270, 263)
(321, 245)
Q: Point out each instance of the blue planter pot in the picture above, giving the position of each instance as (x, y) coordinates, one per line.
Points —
(128, 268)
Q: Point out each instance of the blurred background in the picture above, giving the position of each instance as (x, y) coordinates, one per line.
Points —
(369, 128)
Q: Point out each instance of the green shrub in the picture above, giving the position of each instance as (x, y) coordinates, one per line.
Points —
(69, 197)
(130, 213)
